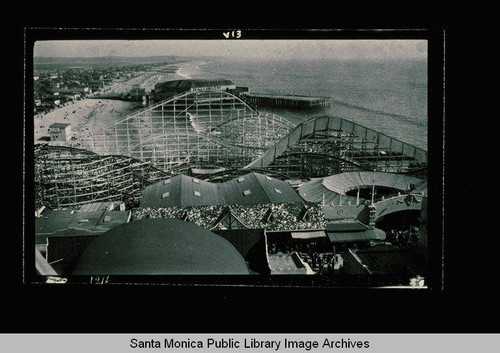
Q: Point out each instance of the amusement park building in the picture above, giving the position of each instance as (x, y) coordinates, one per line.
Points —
(160, 247)
(165, 90)
(249, 189)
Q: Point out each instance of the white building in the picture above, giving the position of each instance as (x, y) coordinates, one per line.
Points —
(60, 132)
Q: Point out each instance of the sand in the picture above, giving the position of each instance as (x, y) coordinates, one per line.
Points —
(84, 115)
(91, 113)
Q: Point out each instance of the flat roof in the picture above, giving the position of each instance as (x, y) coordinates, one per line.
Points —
(191, 83)
(350, 237)
(347, 226)
(68, 222)
(59, 125)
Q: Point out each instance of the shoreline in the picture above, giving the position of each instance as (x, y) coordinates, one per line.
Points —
(85, 115)
(191, 70)
(93, 112)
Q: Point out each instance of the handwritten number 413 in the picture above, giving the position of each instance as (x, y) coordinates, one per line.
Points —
(232, 34)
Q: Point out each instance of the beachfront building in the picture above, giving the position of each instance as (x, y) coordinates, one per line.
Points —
(60, 132)
(168, 89)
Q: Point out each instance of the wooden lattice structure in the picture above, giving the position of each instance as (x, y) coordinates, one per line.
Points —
(329, 145)
(67, 177)
(198, 128)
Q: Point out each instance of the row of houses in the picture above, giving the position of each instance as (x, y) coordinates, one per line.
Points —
(55, 88)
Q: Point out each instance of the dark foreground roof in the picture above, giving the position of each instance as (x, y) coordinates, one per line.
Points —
(160, 247)
(388, 259)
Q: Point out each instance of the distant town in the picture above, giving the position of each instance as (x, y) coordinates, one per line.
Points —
(57, 83)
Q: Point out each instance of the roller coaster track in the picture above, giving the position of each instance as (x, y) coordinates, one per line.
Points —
(347, 141)
(201, 124)
(75, 178)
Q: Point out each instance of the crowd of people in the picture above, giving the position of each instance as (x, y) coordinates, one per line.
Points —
(321, 263)
(204, 216)
(267, 216)
(402, 238)
(318, 253)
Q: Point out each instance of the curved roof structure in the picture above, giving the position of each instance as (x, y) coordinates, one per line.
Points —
(181, 190)
(398, 203)
(249, 189)
(345, 182)
(334, 188)
(160, 247)
(255, 188)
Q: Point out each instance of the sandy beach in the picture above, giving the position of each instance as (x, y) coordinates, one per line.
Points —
(84, 116)
(89, 114)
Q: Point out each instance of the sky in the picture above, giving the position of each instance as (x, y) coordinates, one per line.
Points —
(244, 48)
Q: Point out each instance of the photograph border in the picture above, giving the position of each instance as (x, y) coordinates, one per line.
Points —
(255, 287)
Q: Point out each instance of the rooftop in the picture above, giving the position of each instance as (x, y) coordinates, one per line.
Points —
(59, 125)
(160, 247)
(388, 259)
(191, 83)
(347, 226)
(68, 222)
(250, 189)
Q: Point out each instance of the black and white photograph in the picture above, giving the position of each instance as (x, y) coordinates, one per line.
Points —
(236, 188)
(231, 158)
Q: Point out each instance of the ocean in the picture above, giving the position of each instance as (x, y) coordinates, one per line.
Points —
(389, 96)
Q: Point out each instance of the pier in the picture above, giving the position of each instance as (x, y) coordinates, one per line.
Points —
(286, 101)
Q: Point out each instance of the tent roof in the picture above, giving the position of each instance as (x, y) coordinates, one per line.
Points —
(250, 189)
(181, 190)
(255, 188)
